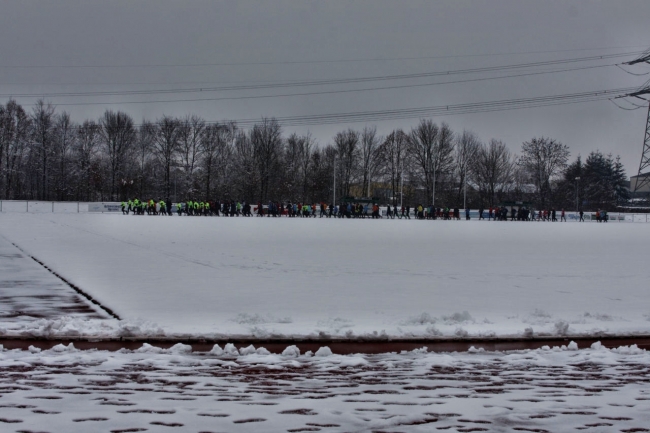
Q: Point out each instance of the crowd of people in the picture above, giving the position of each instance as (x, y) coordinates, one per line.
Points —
(232, 208)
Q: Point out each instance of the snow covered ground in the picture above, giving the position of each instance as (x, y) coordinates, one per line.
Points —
(557, 389)
(330, 278)
(279, 278)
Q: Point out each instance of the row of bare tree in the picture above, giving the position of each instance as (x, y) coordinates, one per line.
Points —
(44, 155)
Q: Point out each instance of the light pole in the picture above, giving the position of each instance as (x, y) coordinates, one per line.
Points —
(577, 206)
(433, 196)
(433, 174)
(401, 186)
(465, 185)
(334, 188)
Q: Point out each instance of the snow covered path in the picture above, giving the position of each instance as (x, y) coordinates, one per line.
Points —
(545, 390)
(28, 291)
(277, 278)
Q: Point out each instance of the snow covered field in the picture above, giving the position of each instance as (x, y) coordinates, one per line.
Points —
(546, 390)
(277, 278)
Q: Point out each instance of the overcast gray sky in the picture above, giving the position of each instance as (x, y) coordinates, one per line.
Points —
(60, 46)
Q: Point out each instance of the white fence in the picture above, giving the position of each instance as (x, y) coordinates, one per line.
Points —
(42, 206)
(23, 206)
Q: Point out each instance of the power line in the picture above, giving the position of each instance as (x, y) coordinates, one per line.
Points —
(290, 62)
(329, 81)
(440, 110)
(329, 92)
(626, 109)
(456, 109)
(631, 73)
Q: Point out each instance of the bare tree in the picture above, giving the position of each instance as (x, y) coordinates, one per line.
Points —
(443, 157)
(393, 157)
(217, 148)
(266, 138)
(492, 170)
(46, 155)
(421, 146)
(143, 149)
(467, 146)
(347, 149)
(84, 156)
(118, 135)
(306, 151)
(319, 179)
(293, 180)
(544, 159)
(165, 146)
(328, 161)
(64, 137)
(14, 136)
(369, 157)
(42, 121)
(190, 133)
(247, 177)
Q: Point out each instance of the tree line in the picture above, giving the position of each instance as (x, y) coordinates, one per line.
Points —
(45, 155)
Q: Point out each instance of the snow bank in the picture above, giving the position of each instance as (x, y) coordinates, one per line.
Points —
(79, 327)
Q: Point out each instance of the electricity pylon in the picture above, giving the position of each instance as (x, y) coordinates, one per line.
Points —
(642, 178)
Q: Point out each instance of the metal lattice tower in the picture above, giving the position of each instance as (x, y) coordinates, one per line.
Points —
(643, 179)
